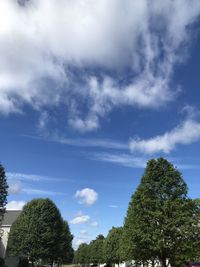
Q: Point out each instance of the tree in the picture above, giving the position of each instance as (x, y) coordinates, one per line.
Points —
(3, 192)
(66, 252)
(96, 250)
(82, 254)
(161, 221)
(37, 232)
(112, 245)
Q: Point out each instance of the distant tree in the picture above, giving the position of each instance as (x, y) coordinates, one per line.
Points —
(3, 192)
(81, 255)
(161, 221)
(112, 245)
(96, 250)
(37, 232)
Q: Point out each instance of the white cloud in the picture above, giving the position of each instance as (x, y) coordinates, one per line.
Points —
(41, 42)
(94, 224)
(15, 205)
(33, 191)
(126, 160)
(80, 219)
(79, 240)
(86, 196)
(129, 160)
(84, 232)
(186, 133)
(14, 188)
(84, 142)
(28, 177)
(113, 206)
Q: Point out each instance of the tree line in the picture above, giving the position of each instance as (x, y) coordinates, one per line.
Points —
(162, 224)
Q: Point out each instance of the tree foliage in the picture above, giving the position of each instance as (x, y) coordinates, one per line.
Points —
(66, 252)
(40, 232)
(82, 254)
(3, 192)
(112, 245)
(161, 221)
(96, 250)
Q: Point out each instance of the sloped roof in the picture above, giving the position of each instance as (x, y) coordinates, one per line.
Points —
(10, 217)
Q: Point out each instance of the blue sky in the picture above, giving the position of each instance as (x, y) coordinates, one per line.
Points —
(89, 91)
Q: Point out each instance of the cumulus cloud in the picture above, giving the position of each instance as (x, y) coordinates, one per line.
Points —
(80, 219)
(186, 133)
(15, 205)
(86, 196)
(45, 45)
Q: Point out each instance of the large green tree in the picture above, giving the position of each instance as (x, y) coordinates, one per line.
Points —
(161, 221)
(112, 245)
(38, 232)
(66, 252)
(3, 192)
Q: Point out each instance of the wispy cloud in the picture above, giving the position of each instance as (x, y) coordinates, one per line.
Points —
(29, 177)
(42, 76)
(14, 188)
(186, 133)
(94, 224)
(129, 160)
(83, 142)
(33, 191)
(86, 196)
(113, 206)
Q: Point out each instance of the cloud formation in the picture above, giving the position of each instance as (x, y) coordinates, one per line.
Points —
(86, 196)
(80, 219)
(28, 177)
(186, 133)
(126, 160)
(94, 224)
(15, 205)
(78, 54)
(14, 188)
(129, 160)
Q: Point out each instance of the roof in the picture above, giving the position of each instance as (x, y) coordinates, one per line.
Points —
(10, 217)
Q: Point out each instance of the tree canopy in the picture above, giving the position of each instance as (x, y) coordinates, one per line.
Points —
(161, 221)
(40, 233)
(112, 245)
(96, 250)
(81, 255)
(3, 192)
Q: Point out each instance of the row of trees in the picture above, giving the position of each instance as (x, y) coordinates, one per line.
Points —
(40, 234)
(3, 202)
(3, 193)
(162, 224)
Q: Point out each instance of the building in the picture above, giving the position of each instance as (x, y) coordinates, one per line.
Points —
(10, 217)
